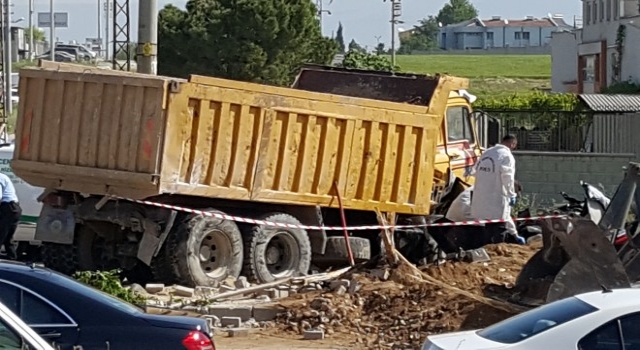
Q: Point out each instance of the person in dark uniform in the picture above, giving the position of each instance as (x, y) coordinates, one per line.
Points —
(10, 213)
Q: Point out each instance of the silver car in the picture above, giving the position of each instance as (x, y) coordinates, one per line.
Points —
(16, 335)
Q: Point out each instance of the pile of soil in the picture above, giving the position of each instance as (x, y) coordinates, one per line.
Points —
(401, 310)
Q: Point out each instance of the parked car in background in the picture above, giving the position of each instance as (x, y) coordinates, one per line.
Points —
(70, 313)
(16, 335)
(79, 55)
(81, 49)
(591, 321)
(59, 56)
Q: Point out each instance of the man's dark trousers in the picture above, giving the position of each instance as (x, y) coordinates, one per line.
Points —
(10, 213)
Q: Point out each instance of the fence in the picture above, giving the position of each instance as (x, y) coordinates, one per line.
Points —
(548, 131)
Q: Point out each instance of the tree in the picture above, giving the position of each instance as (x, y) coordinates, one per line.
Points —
(340, 38)
(131, 47)
(456, 11)
(38, 35)
(260, 41)
(354, 46)
(357, 59)
(423, 38)
(380, 49)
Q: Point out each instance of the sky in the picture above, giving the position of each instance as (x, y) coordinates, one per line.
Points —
(366, 21)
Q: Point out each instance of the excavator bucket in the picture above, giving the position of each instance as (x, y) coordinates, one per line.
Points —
(579, 256)
(576, 257)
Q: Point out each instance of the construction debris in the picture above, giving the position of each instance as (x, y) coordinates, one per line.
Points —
(382, 307)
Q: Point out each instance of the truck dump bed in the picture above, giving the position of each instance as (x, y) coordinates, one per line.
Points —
(103, 132)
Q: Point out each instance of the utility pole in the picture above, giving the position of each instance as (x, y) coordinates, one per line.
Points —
(107, 8)
(6, 54)
(99, 29)
(147, 50)
(31, 41)
(396, 12)
(52, 38)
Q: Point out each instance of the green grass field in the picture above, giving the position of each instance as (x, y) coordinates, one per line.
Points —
(479, 66)
(490, 75)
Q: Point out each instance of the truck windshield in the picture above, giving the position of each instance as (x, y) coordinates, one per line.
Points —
(536, 321)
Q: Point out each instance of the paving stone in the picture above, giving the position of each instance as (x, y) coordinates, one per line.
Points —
(238, 332)
(231, 322)
(183, 291)
(314, 334)
(154, 288)
(263, 313)
(220, 311)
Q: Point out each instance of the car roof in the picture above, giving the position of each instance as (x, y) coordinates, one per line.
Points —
(616, 298)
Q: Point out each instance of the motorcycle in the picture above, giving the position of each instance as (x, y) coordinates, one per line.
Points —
(593, 207)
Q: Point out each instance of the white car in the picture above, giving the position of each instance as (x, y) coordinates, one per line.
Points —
(15, 334)
(602, 320)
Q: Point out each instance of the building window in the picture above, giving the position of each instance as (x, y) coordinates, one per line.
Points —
(526, 35)
(608, 10)
(594, 15)
(616, 9)
(587, 14)
(602, 9)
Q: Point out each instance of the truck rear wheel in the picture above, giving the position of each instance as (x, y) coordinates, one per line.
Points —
(273, 253)
(60, 257)
(336, 252)
(201, 251)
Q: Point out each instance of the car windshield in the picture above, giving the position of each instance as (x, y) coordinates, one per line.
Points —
(536, 321)
(96, 294)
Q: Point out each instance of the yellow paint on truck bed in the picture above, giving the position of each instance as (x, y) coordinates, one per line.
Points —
(103, 132)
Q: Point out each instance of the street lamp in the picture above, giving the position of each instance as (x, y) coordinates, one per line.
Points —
(320, 12)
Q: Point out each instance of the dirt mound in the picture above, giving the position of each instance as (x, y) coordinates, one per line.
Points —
(398, 308)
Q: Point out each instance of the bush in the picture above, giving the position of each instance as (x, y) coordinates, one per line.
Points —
(109, 282)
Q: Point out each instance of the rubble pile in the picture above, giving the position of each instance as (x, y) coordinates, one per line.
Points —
(396, 308)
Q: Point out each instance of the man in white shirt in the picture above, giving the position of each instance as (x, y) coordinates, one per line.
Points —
(10, 213)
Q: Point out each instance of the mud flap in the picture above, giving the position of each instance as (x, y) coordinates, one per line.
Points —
(576, 258)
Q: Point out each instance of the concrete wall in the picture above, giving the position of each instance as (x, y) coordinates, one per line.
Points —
(564, 61)
(544, 174)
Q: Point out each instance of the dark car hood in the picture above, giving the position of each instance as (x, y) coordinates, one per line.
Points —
(180, 322)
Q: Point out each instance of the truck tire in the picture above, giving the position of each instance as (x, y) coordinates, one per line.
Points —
(200, 251)
(336, 253)
(273, 253)
(60, 257)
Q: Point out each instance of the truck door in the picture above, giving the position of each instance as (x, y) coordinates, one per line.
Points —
(461, 141)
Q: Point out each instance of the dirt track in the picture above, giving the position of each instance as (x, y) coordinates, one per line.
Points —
(396, 313)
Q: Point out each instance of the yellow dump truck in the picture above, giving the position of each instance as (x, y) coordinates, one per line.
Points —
(359, 141)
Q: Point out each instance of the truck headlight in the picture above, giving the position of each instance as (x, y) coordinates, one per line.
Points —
(428, 345)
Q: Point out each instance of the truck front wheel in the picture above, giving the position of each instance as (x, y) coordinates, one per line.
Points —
(273, 253)
(201, 251)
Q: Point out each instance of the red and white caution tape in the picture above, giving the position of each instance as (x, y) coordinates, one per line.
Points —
(328, 228)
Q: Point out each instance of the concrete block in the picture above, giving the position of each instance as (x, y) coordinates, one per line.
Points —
(231, 322)
(238, 332)
(220, 311)
(183, 291)
(242, 283)
(335, 284)
(272, 293)
(263, 313)
(154, 288)
(224, 288)
(314, 334)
